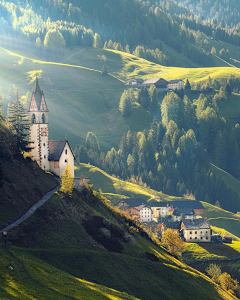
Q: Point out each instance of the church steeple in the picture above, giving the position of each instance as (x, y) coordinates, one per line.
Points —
(38, 131)
(38, 103)
(37, 87)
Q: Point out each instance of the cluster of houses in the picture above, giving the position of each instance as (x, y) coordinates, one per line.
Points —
(185, 217)
(161, 84)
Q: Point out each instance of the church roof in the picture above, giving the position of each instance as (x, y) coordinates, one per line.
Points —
(37, 96)
(56, 149)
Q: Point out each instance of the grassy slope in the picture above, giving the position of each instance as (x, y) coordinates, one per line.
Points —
(110, 184)
(90, 101)
(211, 251)
(75, 252)
(218, 217)
(35, 279)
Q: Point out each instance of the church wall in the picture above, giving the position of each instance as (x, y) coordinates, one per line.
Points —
(53, 167)
(66, 159)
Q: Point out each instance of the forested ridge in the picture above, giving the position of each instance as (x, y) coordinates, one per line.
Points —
(155, 26)
(174, 156)
(223, 12)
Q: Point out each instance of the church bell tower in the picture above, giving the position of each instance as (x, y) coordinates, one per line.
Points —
(38, 131)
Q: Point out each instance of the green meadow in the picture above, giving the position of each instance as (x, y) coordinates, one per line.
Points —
(209, 251)
(55, 256)
(73, 84)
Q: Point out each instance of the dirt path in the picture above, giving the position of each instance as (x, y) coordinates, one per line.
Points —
(28, 214)
(74, 54)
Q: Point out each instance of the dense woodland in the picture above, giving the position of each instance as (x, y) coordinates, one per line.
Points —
(174, 156)
(224, 12)
(121, 25)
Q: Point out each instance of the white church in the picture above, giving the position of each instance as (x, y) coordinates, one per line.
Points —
(52, 156)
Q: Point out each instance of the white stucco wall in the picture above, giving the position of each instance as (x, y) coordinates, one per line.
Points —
(146, 214)
(197, 235)
(66, 159)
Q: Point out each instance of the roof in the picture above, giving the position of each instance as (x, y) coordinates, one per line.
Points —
(37, 94)
(56, 149)
(173, 225)
(201, 223)
(123, 206)
(175, 81)
(185, 211)
(156, 81)
(193, 204)
(141, 206)
(135, 202)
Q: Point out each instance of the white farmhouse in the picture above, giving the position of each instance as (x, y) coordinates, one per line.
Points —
(146, 214)
(175, 84)
(52, 156)
(197, 230)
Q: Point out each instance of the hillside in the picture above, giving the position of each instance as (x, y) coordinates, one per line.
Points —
(22, 181)
(90, 101)
(82, 237)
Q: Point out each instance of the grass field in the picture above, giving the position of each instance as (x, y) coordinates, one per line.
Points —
(110, 184)
(32, 278)
(90, 101)
(59, 258)
(210, 251)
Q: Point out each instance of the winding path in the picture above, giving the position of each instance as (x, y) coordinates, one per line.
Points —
(28, 214)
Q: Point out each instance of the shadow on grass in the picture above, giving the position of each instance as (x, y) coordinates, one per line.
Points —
(220, 250)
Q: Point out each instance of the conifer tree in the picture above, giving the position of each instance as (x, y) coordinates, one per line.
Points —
(97, 42)
(187, 85)
(19, 123)
(104, 70)
(67, 185)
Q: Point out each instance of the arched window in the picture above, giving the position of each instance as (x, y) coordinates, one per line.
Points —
(43, 118)
(33, 119)
(66, 151)
(66, 160)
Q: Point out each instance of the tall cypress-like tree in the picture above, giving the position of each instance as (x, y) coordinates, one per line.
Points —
(20, 126)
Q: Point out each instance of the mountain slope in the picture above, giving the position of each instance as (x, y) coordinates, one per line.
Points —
(73, 235)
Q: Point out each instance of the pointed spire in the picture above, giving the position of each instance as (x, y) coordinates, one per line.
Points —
(37, 87)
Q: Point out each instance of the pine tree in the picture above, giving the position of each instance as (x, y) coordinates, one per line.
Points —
(97, 42)
(187, 85)
(92, 142)
(67, 185)
(125, 105)
(104, 70)
(19, 123)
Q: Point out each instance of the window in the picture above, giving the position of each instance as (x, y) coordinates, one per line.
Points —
(66, 160)
(190, 232)
(206, 231)
(195, 232)
(190, 238)
(44, 144)
(195, 238)
(201, 232)
(43, 118)
(206, 237)
(45, 156)
(201, 237)
(33, 119)
(66, 151)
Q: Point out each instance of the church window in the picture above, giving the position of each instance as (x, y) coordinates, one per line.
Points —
(66, 151)
(66, 160)
(45, 156)
(44, 144)
(33, 119)
(43, 118)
